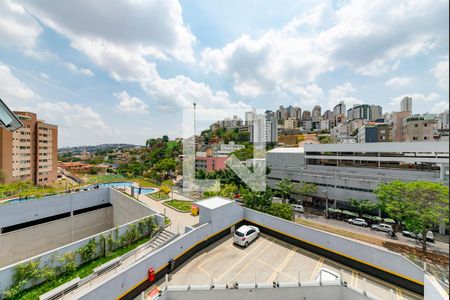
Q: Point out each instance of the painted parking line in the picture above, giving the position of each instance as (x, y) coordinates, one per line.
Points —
(317, 268)
(252, 260)
(244, 257)
(282, 264)
(215, 255)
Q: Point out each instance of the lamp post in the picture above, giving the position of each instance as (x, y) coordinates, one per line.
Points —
(326, 200)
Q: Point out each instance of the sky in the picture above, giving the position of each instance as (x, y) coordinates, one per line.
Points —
(110, 71)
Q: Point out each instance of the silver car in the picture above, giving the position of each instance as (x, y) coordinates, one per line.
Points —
(245, 235)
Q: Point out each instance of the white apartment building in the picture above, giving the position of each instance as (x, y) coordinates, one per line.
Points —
(442, 121)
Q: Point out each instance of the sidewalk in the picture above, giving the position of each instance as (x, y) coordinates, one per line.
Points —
(179, 220)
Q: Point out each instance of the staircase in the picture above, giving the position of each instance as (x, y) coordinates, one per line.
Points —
(161, 239)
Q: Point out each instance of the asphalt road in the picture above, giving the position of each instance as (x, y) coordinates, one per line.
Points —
(436, 246)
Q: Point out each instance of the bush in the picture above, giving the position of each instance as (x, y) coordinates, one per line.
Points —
(281, 210)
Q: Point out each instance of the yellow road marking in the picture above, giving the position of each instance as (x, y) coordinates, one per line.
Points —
(252, 260)
(282, 265)
(316, 269)
(210, 258)
(239, 261)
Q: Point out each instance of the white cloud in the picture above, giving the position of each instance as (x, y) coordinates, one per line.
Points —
(142, 28)
(17, 27)
(78, 70)
(440, 107)
(368, 37)
(129, 104)
(441, 72)
(310, 94)
(419, 100)
(12, 90)
(398, 81)
(344, 92)
(182, 92)
(44, 75)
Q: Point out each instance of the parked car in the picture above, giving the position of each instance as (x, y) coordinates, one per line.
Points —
(327, 275)
(298, 208)
(245, 234)
(382, 227)
(358, 221)
(430, 235)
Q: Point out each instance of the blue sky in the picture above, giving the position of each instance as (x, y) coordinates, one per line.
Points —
(122, 71)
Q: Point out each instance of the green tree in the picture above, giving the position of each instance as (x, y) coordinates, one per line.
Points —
(420, 205)
(229, 190)
(305, 188)
(285, 187)
(257, 200)
(363, 206)
(280, 210)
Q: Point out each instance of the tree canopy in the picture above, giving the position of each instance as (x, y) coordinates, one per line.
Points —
(419, 205)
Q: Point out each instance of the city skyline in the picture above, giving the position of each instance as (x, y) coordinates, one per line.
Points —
(103, 82)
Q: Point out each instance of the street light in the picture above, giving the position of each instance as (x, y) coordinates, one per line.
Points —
(325, 191)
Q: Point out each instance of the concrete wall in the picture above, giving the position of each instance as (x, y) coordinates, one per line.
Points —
(307, 292)
(21, 244)
(136, 273)
(370, 254)
(48, 258)
(433, 290)
(126, 208)
(20, 212)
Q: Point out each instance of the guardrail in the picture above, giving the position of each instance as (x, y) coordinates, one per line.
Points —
(61, 290)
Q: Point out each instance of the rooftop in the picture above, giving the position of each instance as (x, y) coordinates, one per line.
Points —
(287, 150)
(214, 202)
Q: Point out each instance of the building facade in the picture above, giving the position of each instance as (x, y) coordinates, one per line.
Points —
(406, 104)
(343, 172)
(418, 128)
(29, 153)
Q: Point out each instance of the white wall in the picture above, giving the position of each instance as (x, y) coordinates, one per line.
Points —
(23, 243)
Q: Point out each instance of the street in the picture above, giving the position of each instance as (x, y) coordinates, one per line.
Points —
(439, 245)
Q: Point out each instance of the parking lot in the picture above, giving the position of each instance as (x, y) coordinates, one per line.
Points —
(267, 260)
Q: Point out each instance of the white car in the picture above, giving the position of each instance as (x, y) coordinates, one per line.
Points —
(430, 235)
(245, 235)
(382, 227)
(358, 221)
(298, 208)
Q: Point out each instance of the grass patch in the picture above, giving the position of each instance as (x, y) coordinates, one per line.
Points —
(143, 182)
(158, 196)
(28, 189)
(91, 179)
(168, 183)
(82, 271)
(180, 205)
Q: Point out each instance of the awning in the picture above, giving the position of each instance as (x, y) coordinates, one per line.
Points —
(388, 220)
(350, 213)
(366, 216)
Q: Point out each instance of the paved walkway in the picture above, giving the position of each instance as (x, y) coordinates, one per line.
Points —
(179, 220)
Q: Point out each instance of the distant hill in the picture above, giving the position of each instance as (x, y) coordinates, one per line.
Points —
(90, 148)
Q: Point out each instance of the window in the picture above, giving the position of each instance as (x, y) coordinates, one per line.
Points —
(416, 125)
(425, 125)
(250, 232)
(425, 138)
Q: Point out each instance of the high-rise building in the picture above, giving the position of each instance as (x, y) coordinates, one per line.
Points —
(443, 122)
(271, 128)
(29, 153)
(306, 114)
(249, 117)
(376, 112)
(317, 111)
(328, 115)
(297, 113)
(339, 112)
(290, 123)
(406, 104)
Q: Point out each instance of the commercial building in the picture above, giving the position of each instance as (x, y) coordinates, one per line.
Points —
(317, 111)
(375, 133)
(406, 104)
(396, 119)
(339, 112)
(290, 123)
(29, 153)
(344, 171)
(418, 128)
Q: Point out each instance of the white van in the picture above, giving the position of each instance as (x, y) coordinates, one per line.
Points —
(298, 208)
